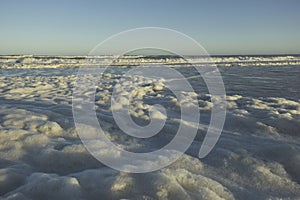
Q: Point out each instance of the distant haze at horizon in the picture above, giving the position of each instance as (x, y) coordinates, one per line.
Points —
(222, 27)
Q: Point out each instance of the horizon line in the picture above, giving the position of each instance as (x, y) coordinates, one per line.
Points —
(150, 55)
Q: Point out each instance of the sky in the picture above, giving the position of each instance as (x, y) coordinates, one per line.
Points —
(65, 27)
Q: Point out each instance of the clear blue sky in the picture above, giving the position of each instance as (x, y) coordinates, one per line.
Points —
(222, 26)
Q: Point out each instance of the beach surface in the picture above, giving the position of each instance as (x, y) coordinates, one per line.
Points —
(256, 157)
